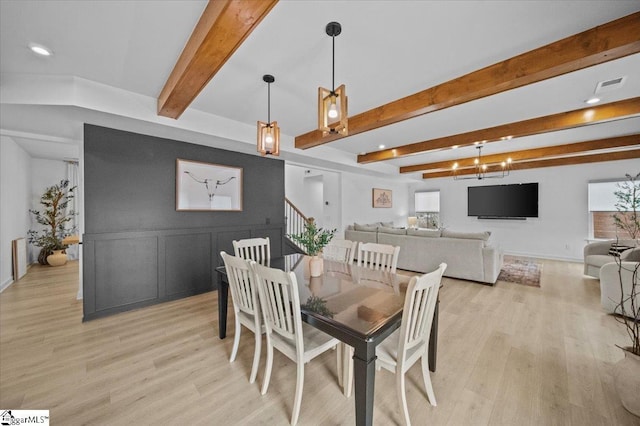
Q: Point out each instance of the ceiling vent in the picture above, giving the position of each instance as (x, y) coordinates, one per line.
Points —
(609, 85)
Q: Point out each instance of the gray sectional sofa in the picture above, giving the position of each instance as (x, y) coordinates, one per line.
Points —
(468, 255)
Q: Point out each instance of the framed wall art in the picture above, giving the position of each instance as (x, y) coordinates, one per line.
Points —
(206, 186)
(382, 197)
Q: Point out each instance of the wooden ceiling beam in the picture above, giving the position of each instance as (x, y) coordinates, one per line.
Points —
(552, 162)
(613, 40)
(528, 154)
(549, 123)
(222, 28)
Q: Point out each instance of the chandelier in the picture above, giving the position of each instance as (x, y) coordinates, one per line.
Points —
(269, 132)
(481, 168)
(332, 104)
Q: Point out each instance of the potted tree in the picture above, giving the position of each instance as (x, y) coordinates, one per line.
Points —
(55, 218)
(627, 371)
(313, 239)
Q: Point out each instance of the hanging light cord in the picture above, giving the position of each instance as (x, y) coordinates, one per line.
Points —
(269, 104)
(333, 65)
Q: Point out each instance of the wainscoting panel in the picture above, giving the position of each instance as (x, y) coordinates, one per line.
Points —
(130, 270)
(127, 272)
(188, 263)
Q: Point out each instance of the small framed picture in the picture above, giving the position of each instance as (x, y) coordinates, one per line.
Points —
(382, 198)
(206, 186)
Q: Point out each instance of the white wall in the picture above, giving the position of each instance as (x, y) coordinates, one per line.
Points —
(15, 201)
(349, 196)
(357, 200)
(562, 227)
(44, 173)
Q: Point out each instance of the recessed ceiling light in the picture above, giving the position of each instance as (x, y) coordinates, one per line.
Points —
(40, 49)
(592, 101)
(380, 146)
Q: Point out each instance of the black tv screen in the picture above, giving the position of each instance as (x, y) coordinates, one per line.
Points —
(503, 201)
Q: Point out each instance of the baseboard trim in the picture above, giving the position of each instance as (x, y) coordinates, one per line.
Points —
(537, 256)
(6, 284)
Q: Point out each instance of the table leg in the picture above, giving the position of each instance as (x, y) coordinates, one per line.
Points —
(364, 371)
(433, 339)
(223, 298)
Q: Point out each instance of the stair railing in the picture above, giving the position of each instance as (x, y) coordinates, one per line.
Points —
(295, 221)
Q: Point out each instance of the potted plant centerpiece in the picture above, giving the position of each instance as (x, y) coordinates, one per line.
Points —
(627, 371)
(313, 239)
(55, 218)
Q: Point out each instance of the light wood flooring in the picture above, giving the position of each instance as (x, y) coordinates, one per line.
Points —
(507, 355)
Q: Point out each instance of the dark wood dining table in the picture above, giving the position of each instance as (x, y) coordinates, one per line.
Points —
(359, 306)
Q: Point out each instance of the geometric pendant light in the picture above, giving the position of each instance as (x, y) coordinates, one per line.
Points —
(269, 132)
(332, 104)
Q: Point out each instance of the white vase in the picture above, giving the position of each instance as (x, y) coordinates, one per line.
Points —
(315, 266)
(627, 381)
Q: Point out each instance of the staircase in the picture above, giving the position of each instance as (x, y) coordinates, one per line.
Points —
(295, 220)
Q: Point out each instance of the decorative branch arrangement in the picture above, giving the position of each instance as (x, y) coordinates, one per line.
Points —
(628, 206)
(54, 216)
(313, 238)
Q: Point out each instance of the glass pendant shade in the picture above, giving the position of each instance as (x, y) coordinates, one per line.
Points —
(332, 111)
(268, 138)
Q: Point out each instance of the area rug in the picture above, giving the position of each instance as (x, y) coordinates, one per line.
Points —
(521, 271)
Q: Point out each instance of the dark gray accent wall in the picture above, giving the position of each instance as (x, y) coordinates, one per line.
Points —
(137, 249)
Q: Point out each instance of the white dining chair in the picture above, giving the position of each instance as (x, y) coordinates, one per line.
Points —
(246, 306)
(256, 249)
(298, 341)
(398, 352)
(378, 256)
(340, 250)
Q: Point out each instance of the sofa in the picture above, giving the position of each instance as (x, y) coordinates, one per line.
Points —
(468, 255)
(599, 253)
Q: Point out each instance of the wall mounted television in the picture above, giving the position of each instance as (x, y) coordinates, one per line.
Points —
(516, 201)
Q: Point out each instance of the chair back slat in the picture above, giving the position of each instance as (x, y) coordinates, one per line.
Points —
(420, 303)
(340, 250)
(241, 284)
(256, 249)
(378, 256)
(278, 291)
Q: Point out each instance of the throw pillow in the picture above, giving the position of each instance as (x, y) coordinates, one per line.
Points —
(484, 236)
(386, 224)
(616, 249)
(366, 228)
(433, 233)
(397, 231)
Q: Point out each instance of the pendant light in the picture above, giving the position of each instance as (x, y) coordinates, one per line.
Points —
(269, 132)
(332, 104)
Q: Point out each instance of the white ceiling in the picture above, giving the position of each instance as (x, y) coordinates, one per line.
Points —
(387, 50)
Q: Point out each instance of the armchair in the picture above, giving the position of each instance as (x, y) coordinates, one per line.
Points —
(597, 254)
(612, 284)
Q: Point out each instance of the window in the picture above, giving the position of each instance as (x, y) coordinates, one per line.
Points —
(602, 206)
(427, 205)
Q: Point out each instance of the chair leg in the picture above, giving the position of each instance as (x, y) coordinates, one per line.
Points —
(256, 357)
(298, 398)
(236, 341)
(267, 372)
(426, 376)
(340, 361)
(347, 367)
(402, 396)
